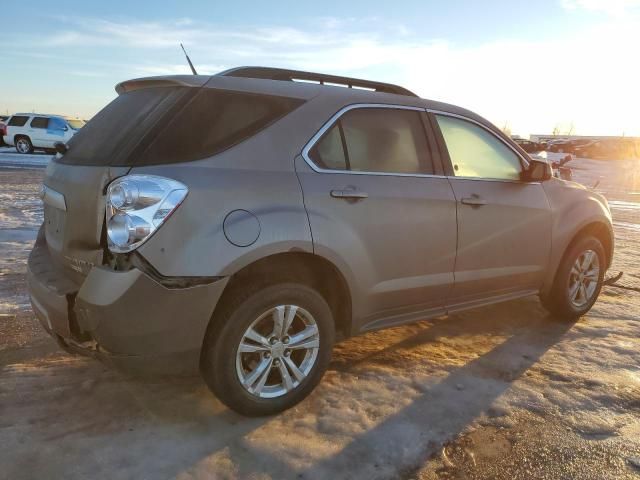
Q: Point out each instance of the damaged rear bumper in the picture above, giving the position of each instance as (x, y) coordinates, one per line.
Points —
(125, 318)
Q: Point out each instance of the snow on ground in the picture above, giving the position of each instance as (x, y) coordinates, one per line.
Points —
(10, 158)
(500, 392)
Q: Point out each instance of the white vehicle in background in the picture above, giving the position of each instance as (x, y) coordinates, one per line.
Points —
(30, 131)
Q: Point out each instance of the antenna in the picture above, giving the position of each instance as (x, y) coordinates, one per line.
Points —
(193, 70)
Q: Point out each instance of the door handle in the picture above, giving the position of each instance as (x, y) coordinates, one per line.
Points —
(349, 194)
(473, 200)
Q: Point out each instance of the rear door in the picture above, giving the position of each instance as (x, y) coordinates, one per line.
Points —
(38, 132)
(504, 224)
(380, 209)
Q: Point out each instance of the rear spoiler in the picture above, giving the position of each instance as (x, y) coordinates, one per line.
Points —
(168, 81)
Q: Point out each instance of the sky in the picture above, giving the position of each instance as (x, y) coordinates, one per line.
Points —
(532, 67)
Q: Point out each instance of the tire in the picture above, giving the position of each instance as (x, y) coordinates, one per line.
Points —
(223, 367)
(561, 302)
(24, 145)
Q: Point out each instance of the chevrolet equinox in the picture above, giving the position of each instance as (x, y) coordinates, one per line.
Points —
(238, 224)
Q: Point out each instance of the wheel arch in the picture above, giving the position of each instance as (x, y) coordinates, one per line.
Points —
(601, 230)
(309, 269)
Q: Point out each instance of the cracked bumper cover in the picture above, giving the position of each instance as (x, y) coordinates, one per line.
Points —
(134, 322)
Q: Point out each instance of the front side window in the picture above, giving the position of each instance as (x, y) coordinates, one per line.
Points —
(382, 140)
(39, 122)
(476, 153)
(57, 124)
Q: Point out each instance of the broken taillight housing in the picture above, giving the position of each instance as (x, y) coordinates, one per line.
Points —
(137, 205)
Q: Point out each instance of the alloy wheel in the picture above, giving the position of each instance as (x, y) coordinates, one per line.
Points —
(22, 146)
(277, 351)
(583, 278)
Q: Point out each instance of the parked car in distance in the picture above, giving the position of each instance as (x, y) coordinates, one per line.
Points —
(31, 131)
(568, 146)
(528, 145)
(616, 149)
(280, 216)
(3, 129)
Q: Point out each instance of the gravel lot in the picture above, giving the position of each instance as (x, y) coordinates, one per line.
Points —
(501, 392)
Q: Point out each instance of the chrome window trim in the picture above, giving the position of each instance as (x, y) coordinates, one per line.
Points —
(462, 117)
(329, 123)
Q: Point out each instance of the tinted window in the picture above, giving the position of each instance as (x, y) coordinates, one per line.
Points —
(328, 152)
(214, 121)
(162, 125)
(18, 121)
(376, 140)
(112, 135)
(39, 122)
(476, 153)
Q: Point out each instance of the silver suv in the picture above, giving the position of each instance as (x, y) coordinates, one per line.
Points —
(241, 223)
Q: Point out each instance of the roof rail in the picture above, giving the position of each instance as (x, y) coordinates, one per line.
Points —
(269, 73)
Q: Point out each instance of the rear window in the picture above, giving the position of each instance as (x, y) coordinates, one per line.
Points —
(18, 121)
(173, 124)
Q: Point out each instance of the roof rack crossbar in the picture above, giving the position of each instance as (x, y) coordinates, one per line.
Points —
(268, 73)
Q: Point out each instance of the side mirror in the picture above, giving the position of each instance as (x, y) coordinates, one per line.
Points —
(65, 128)
(538, 171)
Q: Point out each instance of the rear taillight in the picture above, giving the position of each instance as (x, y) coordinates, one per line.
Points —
(137, 205)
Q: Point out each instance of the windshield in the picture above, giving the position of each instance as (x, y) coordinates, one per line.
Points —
(75, 124)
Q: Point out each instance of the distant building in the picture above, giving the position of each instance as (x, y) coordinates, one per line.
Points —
(546, 138)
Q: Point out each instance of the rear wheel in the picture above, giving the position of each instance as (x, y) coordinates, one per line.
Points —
(266, 351)
(578, 281)
(24, 145)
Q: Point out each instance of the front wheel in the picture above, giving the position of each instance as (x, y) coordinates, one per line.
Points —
(266, 351)
(578, 281)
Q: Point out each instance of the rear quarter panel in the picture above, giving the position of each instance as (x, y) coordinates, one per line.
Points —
(256, 176)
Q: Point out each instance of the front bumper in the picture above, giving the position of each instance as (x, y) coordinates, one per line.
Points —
(124, 318)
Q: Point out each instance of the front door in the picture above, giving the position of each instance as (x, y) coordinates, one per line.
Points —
(379, 212)
(504, 224)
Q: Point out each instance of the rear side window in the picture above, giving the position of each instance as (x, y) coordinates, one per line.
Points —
(476, 153)
(18, 121)
(214, 121)
(381, 140)
(329, 152)
(39, 122)
(172, 124)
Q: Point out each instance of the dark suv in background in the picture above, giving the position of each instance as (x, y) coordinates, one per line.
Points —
(241, 223)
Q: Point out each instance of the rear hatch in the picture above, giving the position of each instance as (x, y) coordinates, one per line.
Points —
(153, 121)
(103, 150)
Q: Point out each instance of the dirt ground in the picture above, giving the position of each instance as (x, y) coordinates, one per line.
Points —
(503, 392)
